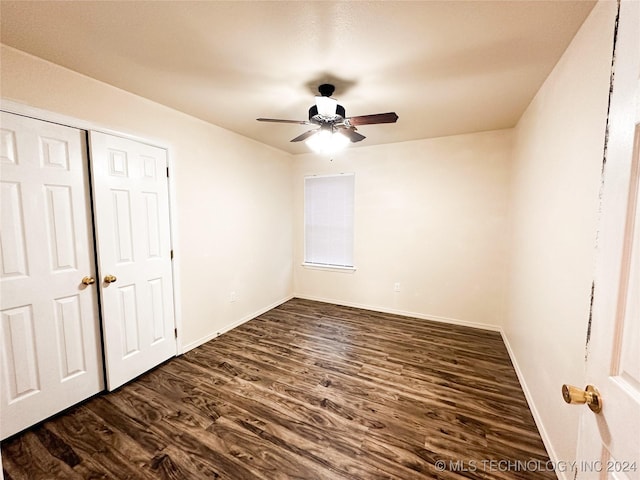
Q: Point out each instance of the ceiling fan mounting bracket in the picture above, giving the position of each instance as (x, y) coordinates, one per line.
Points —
(326, 89)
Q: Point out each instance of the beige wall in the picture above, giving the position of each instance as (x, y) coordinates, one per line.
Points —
(553, 209)
(429, 214)
(233, 195)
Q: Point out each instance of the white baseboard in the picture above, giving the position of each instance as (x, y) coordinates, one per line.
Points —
(393, 311)
(231, 326)
(532, 407)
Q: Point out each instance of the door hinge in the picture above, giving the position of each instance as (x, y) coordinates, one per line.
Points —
(171, 254)
(167, 172)
(175, 332)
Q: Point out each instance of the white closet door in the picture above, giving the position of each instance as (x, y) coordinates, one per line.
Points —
(51, 354)
(134, 255)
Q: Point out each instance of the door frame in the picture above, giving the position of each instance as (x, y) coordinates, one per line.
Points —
(10, 106)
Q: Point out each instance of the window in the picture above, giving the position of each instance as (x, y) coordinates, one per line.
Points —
(328, 220)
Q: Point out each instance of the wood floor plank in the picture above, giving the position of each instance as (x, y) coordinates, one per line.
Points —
(27, 458)
(133, 427)
(249, 439)
(167, 422)
(104, 453)
(307, 390)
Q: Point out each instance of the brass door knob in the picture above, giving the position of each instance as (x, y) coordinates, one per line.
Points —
(589, 395)
(110, 279)
(88, 280)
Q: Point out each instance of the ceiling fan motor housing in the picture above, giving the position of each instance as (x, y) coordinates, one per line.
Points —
(326, 90)
(315, 117)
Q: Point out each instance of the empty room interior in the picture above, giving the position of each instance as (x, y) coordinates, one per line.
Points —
(194, 285)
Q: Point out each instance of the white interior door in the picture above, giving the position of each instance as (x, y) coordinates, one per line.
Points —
(51, 354)
(134, 255)
(609, 442)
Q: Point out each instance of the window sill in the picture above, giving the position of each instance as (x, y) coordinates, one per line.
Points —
(333, 268)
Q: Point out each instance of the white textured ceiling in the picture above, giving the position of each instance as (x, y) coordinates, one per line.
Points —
(445, 67)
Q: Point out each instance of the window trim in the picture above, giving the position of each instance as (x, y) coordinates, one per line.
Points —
(324, 266)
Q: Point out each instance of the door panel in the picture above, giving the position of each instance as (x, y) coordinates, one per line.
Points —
(20, 352)
(69, 334)
(133, 239)
(14, 252)
(60, 228)
(49, 332)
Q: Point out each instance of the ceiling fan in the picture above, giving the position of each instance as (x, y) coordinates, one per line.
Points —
(331, 118)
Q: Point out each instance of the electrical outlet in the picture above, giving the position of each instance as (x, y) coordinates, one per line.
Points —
(232, 297)
(396, 287)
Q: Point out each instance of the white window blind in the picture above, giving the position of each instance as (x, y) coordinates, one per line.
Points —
(328, 220)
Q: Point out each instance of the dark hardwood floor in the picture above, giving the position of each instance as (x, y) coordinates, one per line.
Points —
(306, 391)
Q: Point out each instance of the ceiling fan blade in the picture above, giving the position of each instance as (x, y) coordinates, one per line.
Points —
(351, 134)
(304, 136)
(390, 117)
(277, 120)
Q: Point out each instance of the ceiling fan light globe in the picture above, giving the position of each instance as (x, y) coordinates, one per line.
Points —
(314, 143)
(325, 142)
(338, 141)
